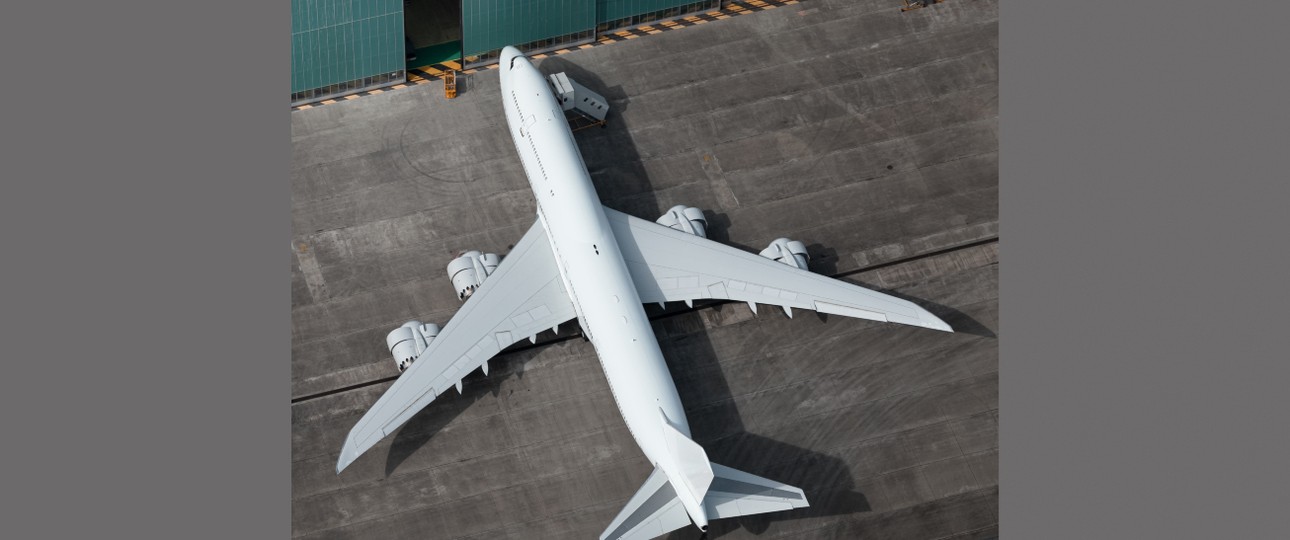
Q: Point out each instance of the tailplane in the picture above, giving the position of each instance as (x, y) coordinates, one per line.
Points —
(656, 510)
(737, 493)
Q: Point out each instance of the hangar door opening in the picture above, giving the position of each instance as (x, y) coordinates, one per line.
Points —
(432, 32)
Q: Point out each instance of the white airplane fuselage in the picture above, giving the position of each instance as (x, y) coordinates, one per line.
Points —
(592, 267)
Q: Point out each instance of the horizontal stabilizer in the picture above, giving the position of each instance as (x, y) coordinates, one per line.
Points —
(737, 493)
(653, 511)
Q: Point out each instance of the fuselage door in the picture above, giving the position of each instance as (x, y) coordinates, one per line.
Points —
(527, 127)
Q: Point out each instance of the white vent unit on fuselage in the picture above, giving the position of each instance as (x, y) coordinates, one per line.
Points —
(575, 97)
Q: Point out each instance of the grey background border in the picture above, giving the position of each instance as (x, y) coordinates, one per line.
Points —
(146, 220)
(146, 225)
(1143, 269)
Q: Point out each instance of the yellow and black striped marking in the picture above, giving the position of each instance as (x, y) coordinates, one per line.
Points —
(435, 72)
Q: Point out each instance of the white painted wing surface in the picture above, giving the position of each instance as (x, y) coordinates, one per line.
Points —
(523, 297)
(668, 265)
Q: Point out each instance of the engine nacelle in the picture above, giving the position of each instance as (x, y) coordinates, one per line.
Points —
(469, 270)
(407, 342)
(685, 219)
(790, 252)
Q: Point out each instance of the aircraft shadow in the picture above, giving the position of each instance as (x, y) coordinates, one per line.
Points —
(620, 179)
(699, 376)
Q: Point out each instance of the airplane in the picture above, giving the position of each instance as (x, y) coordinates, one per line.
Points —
(581, 260)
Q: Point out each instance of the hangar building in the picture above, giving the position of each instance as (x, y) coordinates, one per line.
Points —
(340, 47)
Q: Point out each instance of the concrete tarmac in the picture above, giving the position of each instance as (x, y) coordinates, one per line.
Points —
(867, 133)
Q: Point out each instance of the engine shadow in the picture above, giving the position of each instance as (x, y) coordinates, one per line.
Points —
(718, 426)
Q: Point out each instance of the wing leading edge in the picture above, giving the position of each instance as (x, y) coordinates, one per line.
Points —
(668, 265)
(522, 298)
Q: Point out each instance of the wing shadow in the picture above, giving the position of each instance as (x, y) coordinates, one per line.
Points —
(444, 409)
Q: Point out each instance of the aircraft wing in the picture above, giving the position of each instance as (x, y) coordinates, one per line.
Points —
(522, 297)
(668, 265)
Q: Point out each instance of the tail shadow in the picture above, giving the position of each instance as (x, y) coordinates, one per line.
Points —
(717, 426)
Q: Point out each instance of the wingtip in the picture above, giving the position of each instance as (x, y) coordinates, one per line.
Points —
(935, 323)
(347, 455)
(932, 321)
(343, 462)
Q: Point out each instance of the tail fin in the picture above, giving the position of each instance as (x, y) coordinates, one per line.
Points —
(691, 462)
(655, 510)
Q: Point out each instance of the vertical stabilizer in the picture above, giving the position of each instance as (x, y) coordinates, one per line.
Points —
(687, 469)
(691, 461)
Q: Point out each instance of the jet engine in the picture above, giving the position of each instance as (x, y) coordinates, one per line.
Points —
(790, 252)
(407, 342)
(469, 270)
(686, 219)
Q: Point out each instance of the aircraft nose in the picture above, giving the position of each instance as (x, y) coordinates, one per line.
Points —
(508, 54)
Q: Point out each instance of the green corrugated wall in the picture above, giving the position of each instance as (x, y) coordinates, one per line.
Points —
(338, 41)
(487, 25)
(347, 42)
(612, 10)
